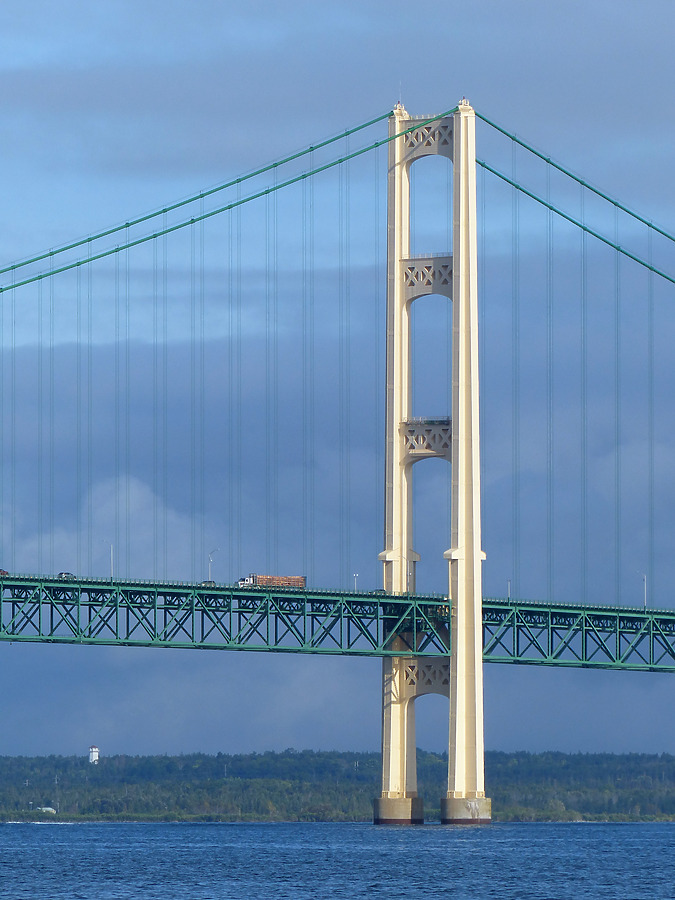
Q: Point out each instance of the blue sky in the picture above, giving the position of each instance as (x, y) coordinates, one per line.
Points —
(112, 109)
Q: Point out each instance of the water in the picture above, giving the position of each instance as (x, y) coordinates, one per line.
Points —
(251, 861)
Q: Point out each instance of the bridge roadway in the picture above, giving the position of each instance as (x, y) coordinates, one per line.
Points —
(226, 617)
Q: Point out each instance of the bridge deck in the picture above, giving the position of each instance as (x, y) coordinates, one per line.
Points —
(223, 617)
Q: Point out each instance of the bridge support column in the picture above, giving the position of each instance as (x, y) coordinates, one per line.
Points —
(465, 801)
(409, 439)
(399, 803)
(403, 681)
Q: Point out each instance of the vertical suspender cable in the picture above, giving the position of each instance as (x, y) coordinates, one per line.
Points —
(238, 378)
(127, 405)
(52, 424)
(202, 352)
(117, 401)
(340, 384)
(347, 363)
(515, 383)
(584, 410)
(378, 375)
(12, 406)
(40, 470)
(90, 341)
(650, 418)
(164, 407)
(12, 402)
(155, 406)
(550, 559)
(306, 460)
(275, 381)
(342, 572)
(617, 410)
(79, 495)
(233, 439)
(268, 391)
(193, 402)
(311, 396)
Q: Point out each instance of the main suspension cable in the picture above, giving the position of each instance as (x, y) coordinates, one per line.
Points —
(170, 229)
(596, 234)
(73, 245)
(547, 159)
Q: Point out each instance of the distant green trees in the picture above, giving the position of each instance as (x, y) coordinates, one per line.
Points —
(328, 786)
(559, 786)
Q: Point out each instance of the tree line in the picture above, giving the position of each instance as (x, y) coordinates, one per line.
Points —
(327, 786)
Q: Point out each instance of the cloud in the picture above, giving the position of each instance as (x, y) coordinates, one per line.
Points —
(139, 701)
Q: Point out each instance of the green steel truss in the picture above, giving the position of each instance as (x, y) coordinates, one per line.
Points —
(144, 614)
(593, 637)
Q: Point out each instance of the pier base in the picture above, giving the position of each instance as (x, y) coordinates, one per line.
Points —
(398, 811)
(466, 811)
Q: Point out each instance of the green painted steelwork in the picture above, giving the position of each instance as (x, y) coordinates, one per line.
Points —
(593, 637)
(221, 617)
(225, 617)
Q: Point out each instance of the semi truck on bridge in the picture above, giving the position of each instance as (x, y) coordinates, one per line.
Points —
(282, 581)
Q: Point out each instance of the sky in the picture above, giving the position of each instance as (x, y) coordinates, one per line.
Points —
(109, 110)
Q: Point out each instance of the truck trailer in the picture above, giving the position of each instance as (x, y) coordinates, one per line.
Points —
(281, 581)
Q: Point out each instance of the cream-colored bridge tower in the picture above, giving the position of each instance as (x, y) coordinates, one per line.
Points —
(410, 439)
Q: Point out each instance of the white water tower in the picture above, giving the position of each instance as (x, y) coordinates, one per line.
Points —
(93, 755)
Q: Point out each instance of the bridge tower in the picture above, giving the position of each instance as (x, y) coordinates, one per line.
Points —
(410, 439)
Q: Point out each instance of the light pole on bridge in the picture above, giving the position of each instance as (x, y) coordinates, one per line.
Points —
(215, 550)
(110, 544)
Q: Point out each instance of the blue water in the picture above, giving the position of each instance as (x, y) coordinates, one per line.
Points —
(246, 861)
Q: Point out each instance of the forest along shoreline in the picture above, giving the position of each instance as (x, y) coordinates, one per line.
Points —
(327, 786)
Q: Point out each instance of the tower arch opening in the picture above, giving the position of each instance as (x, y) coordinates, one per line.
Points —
(430, 213)
(431, 355)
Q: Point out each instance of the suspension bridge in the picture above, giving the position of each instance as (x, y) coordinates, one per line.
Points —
(211, 374)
